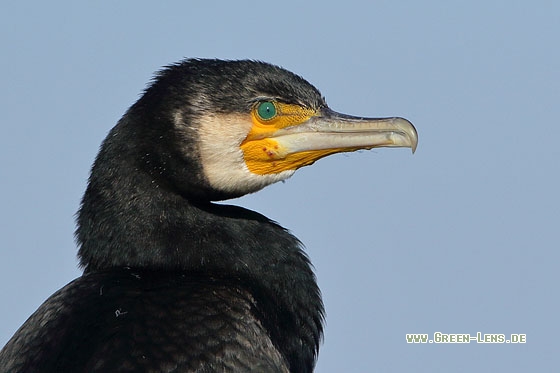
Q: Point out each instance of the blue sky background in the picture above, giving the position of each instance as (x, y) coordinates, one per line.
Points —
(461, 237)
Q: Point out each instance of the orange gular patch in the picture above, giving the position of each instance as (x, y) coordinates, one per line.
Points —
(264, 157)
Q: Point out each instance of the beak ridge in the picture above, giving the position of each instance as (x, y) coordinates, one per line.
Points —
(332, 130)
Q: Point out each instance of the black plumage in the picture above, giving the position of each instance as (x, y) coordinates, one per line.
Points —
(172, 281)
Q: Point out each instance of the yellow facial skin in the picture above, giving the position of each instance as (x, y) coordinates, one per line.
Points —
(266, 155)
(286, 115)
(296, 136)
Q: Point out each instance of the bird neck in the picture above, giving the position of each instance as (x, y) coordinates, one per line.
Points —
(129, 218)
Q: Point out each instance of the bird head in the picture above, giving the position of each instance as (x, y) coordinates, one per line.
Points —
(246, 124)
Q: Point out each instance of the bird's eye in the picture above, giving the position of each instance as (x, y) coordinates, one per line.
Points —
(266, 110)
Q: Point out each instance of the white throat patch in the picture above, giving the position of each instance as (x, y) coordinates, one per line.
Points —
(223, 164)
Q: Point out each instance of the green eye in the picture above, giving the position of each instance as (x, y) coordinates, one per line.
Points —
(266, 110)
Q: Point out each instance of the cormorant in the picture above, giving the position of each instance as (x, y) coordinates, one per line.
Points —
(173, 282)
